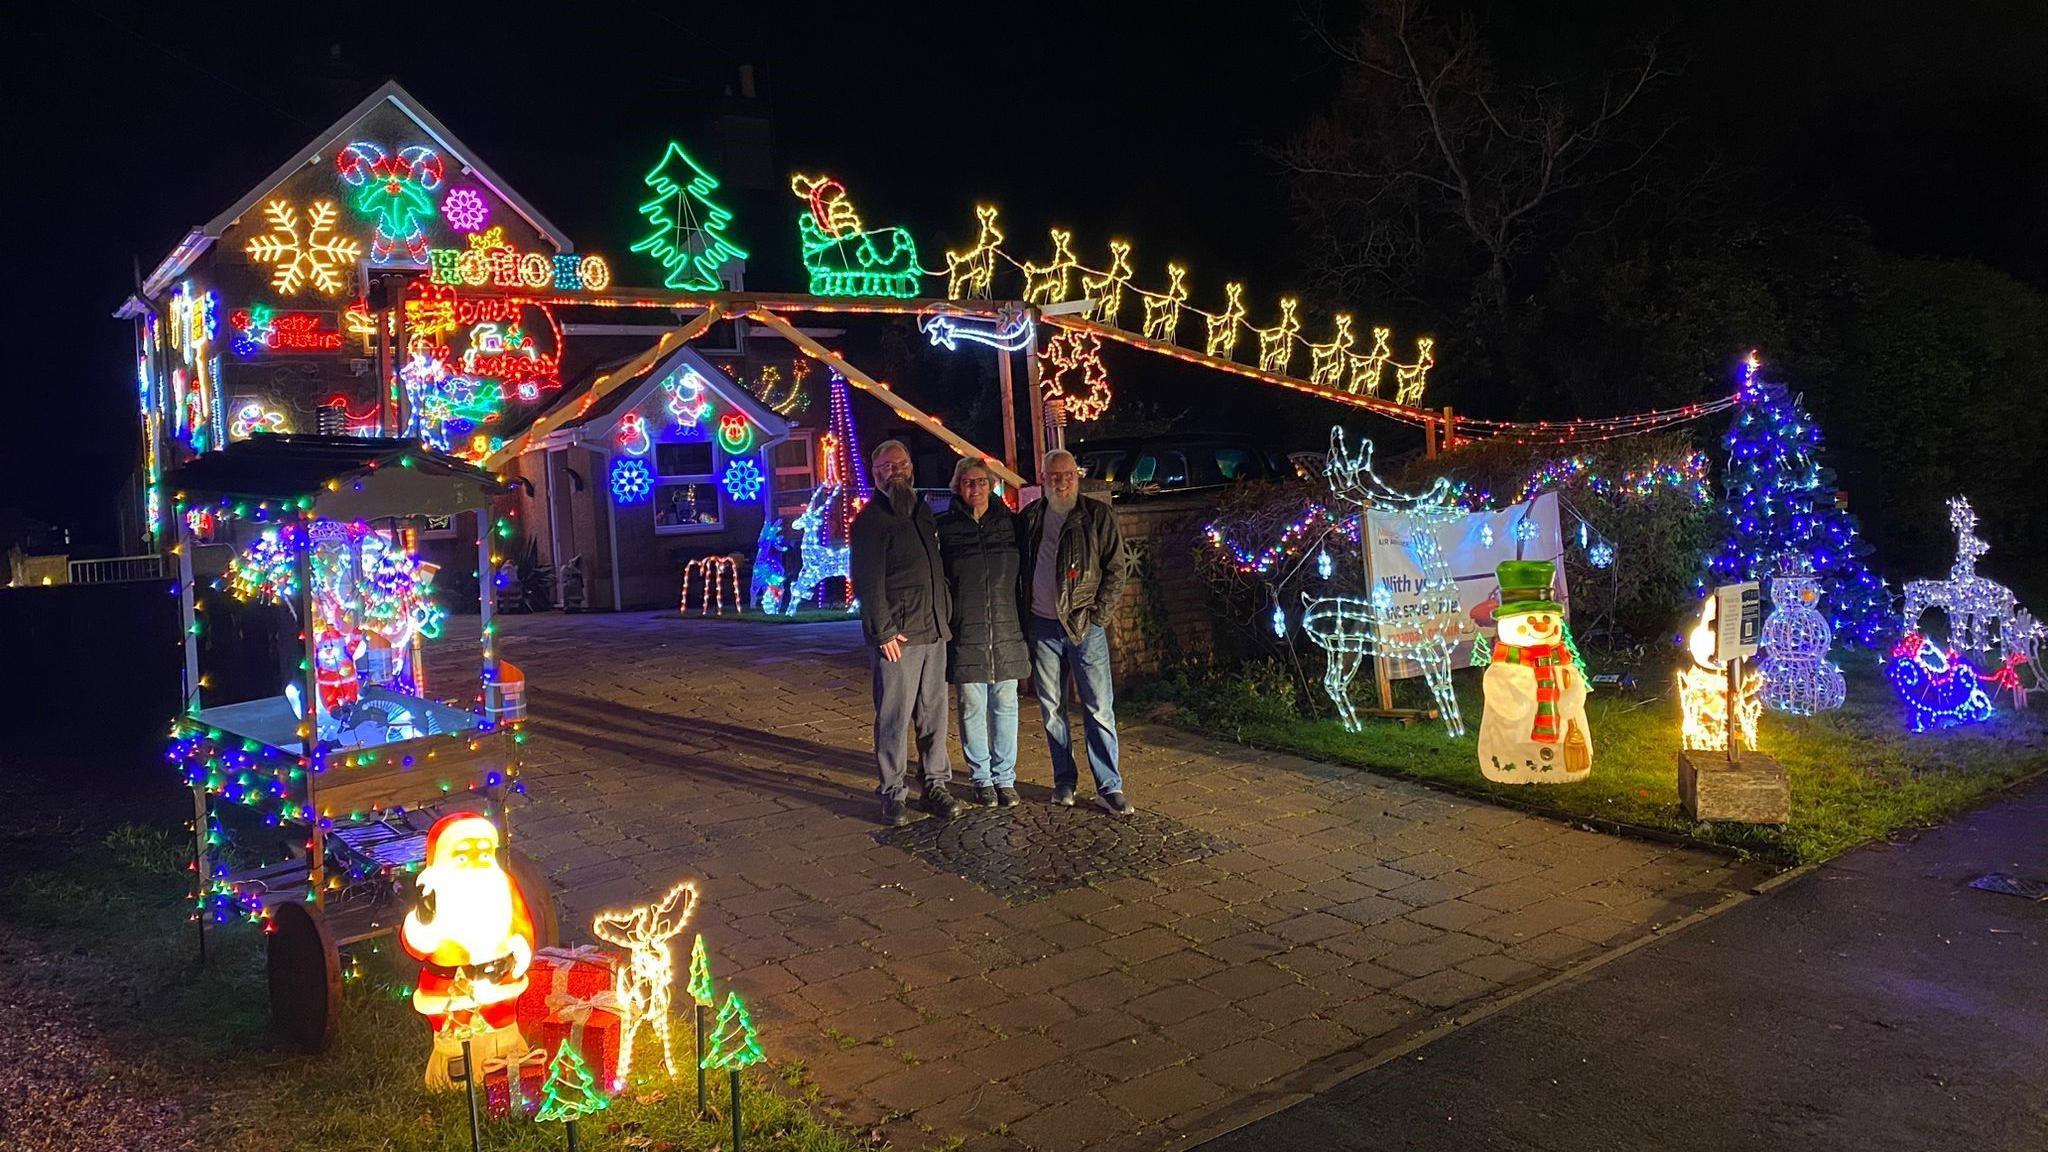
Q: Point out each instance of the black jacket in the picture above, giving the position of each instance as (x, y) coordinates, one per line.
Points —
(982, 562)
(1093, 563)
(897, 574)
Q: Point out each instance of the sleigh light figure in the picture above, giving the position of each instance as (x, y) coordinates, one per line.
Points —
(644, 984)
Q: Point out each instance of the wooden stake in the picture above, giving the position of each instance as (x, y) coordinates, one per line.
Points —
(735, 1110)
(698, 1012)
(886, 395)
(570, 1127)
(1008, 383)
(476, 1136)
(1035, 395)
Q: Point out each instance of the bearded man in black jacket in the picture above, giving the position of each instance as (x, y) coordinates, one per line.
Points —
(978, 541)
(906, 614)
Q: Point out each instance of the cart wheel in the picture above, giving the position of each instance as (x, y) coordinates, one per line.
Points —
(305, 978)
(540, 899)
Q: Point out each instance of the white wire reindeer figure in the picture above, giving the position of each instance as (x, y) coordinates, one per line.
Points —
(819, 561)
(643, 986)
(1351, 628)
(1980, 611)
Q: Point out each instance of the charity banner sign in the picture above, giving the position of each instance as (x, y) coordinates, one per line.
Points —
(1474, 545)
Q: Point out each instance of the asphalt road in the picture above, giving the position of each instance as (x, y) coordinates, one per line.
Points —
(1876, 1003)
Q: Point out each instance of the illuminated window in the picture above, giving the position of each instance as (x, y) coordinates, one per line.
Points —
(796, 473)
(686, 495)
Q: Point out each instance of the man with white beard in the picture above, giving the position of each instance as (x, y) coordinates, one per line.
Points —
(905, 610)
(1074, 571)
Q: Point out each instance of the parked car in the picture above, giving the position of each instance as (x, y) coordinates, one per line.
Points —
(1178, 462)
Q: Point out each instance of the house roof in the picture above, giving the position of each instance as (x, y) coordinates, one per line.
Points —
(604, 412)
(345, 477)
(323, 147)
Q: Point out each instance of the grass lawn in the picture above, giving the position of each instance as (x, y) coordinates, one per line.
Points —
(96, 918)
(1856, 774)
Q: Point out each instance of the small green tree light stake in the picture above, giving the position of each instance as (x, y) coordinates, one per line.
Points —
(704, 996)
(690, 245)
(570, 1091)
(733, 1047)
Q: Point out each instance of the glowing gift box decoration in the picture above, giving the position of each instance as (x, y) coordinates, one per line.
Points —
(572, 999)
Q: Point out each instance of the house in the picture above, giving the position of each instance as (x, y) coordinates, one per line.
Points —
(384, 280)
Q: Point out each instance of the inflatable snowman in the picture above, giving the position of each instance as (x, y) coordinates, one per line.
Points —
(1534, 728)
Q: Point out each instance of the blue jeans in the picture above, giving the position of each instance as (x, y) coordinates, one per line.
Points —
(1052, 657)
(988, 733)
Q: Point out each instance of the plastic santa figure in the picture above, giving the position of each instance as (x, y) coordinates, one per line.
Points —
(334, 672)
(473, 937)
(1534, 729)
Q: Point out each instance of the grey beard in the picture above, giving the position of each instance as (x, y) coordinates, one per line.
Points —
(901, 496)
(1061, 504)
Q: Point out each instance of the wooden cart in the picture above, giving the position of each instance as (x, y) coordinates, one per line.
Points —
(356, 787)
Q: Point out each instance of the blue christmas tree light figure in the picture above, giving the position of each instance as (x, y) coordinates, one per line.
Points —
(1777, 498)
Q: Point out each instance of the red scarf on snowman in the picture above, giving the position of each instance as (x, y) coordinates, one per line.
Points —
(1544, 659)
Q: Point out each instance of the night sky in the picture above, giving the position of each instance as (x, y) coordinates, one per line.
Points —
(133, 124)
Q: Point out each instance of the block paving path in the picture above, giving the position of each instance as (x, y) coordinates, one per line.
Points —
(1264, 924)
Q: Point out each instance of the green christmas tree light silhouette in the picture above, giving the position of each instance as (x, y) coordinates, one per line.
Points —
(733, 1045)
(569, 1091)
(680, 185)
(700, 975)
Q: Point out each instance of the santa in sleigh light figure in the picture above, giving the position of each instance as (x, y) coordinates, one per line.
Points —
(473, 935)
(1534, 729)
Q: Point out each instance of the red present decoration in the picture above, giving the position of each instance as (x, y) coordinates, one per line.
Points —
(529, 1070)
(580, 972)
(571, 995)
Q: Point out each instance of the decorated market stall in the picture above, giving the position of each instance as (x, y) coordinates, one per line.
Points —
(354, 756)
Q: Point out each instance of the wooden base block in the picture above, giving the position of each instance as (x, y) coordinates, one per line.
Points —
(1752, 790)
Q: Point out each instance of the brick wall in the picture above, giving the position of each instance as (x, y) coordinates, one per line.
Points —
(1166, 615)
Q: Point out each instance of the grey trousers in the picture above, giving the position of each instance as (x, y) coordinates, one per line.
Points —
(910, 693)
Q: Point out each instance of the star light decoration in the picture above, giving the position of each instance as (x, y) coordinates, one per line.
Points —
(1072, 375)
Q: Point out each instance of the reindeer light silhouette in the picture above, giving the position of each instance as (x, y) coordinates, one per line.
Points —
(820, 561)
(1351, 628)
(1981, 614)
(643, 986)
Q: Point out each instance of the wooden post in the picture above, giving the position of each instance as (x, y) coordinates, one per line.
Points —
(1381, 680)
(1008, 382)
(1429, 439)
(309, 684)
(1450, 429)
(886, 395)
(1035, 396)
(735, 1110)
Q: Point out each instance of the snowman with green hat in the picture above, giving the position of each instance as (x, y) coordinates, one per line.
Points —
(1534, 728)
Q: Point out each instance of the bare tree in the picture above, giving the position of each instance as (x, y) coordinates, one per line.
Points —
(1429, 165)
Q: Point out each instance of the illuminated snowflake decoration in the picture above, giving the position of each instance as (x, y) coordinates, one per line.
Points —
(1525, 529)
(1325, 565)
(1601, 555)
(315, 256)
(465, 209)
(1279, 621)
(632, 480)
(1486, 535)
(742, 480)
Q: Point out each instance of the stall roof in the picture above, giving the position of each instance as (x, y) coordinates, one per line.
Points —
(347, 477)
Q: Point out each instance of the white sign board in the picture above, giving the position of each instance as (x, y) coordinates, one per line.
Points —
(1474, 545)
(1738, 621)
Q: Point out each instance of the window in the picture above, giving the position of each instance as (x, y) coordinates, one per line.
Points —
(685, 487)
(1236, 464)
(795, 473)
(1160, 470)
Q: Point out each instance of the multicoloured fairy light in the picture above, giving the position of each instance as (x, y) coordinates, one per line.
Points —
(305, 252)
(396, 192)
(1939, 689)
(632, 480)
(689, 238)
(843, 258)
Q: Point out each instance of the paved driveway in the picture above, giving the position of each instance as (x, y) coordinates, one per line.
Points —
(1042, 978)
